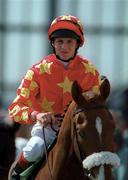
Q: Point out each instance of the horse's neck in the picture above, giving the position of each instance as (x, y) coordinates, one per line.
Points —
(61, 150)
(64, 136)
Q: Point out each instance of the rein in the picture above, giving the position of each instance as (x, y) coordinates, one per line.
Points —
(46, 154)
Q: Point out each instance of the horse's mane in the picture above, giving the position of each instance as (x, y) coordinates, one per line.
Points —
(66, 108)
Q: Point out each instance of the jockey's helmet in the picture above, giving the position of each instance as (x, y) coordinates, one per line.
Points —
(66, 26)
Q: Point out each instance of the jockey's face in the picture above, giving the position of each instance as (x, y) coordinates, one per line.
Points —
(65, 47)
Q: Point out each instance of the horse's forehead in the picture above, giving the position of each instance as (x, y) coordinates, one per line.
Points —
(89, 94)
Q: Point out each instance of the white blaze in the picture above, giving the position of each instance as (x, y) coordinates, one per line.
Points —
(99, 125)
(101, 175)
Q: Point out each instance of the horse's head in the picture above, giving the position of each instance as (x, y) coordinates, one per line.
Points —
(94, 127)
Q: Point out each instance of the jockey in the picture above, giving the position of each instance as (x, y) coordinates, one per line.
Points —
(45, 90)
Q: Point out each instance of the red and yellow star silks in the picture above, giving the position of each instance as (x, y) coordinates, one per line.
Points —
(46, 87)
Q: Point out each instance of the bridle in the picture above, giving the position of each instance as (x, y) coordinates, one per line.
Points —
(85, 108)
(80, 154)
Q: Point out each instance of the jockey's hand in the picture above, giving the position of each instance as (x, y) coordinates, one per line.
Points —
(46, 118)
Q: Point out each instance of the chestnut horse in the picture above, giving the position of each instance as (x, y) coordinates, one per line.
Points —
(85, 143)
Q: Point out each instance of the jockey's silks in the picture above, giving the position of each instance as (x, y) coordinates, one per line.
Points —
(46, 87)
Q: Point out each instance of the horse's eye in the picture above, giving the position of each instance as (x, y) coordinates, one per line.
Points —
(81, 119)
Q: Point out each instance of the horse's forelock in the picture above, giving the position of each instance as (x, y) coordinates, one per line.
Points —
(89, 95)
(91, 98)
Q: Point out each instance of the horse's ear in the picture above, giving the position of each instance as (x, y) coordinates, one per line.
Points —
(76, 91)
(105, 88)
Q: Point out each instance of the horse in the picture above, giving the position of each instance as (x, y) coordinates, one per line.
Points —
(84, 149)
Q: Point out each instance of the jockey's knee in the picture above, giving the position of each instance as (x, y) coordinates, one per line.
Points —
(34, 149)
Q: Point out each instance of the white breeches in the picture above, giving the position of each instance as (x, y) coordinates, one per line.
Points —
(35, 147)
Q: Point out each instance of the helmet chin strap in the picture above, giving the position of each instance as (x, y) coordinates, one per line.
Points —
(67, 60)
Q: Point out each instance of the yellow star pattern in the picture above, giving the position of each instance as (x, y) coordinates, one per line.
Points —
(66, 85)
(24, 115)
(17, 118)
(15, 110)
(33, 85)
(29, 103)
(25, 92)
(89, 68)
(67, 17)
(29, 75)
(45, 67)
(95, 89)
(47, 105)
